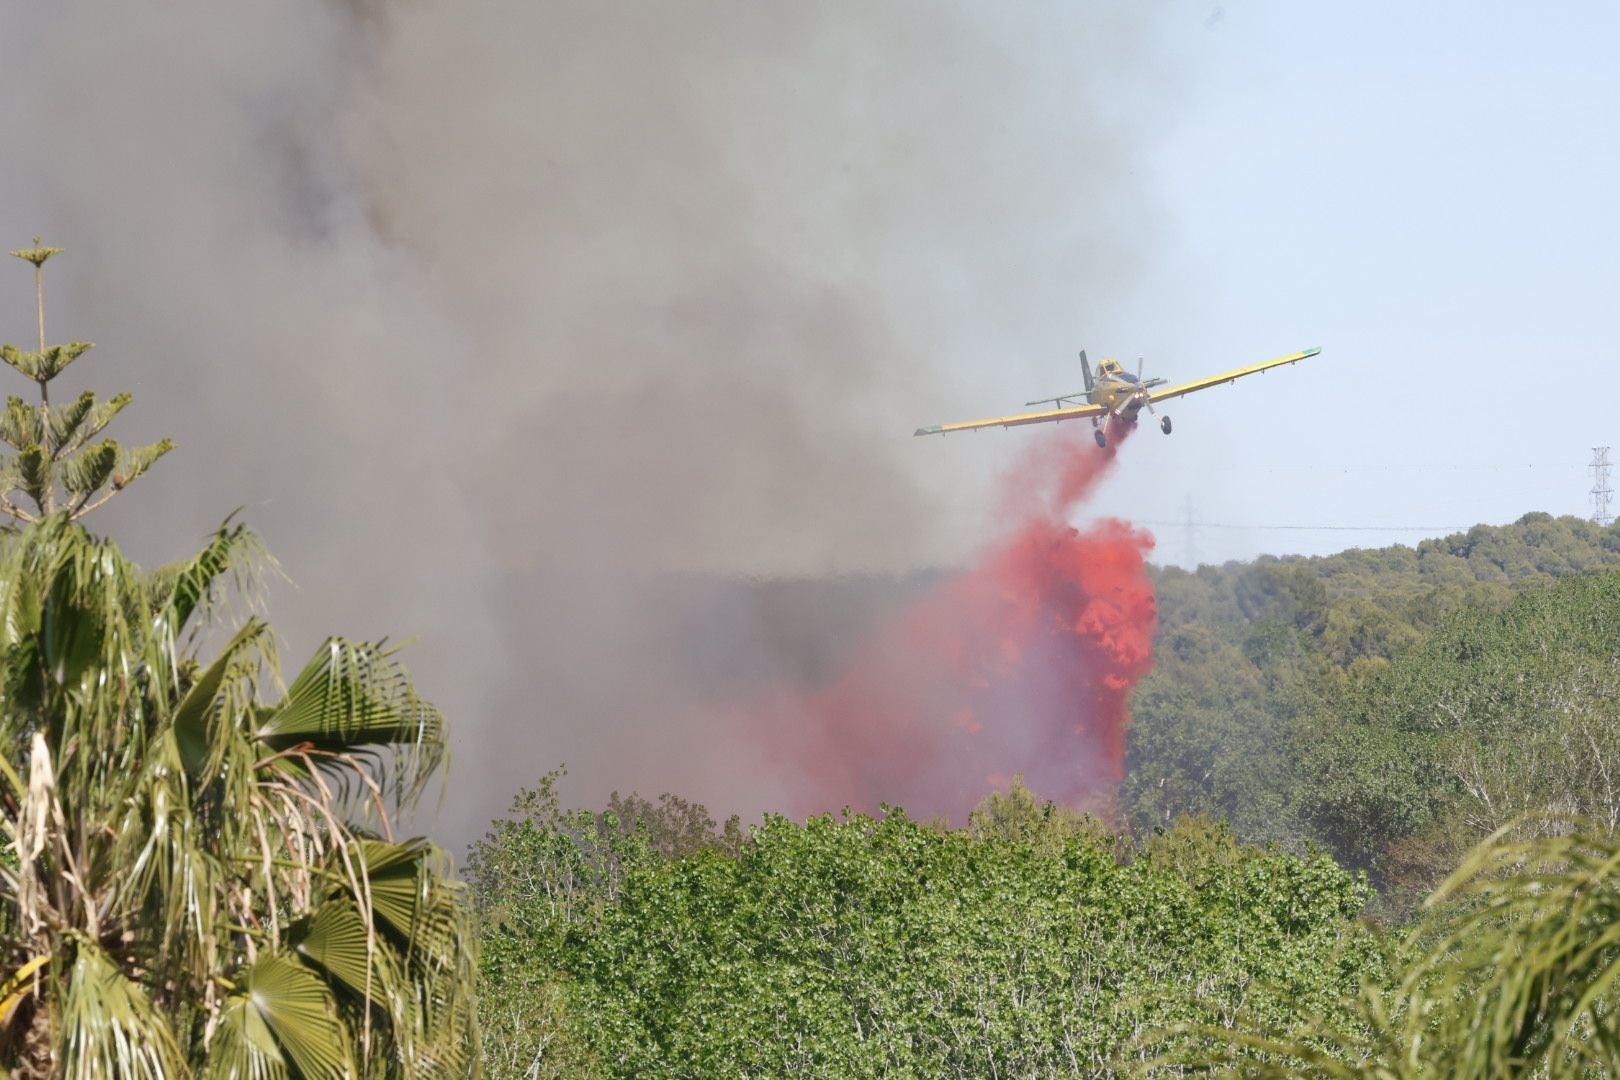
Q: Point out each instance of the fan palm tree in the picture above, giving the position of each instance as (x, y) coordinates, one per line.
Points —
(200, 875)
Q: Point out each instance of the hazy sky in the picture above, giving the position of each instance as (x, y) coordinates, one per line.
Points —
(1426, 191)
(494, 314)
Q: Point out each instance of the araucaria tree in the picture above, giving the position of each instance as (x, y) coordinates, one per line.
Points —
(200, 876)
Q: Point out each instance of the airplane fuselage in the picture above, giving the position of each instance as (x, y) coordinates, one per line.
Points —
(1118, 391)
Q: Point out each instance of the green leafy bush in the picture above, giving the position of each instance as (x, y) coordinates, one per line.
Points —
(866, 946)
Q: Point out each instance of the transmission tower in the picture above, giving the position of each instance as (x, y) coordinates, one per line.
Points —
(1601, 492)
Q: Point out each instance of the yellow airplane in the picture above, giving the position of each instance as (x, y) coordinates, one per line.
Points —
(1113, 394)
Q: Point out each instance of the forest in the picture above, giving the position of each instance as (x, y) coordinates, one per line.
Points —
(1367, 827)
(1324, 745)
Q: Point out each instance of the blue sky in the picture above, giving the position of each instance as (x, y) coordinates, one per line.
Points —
(1426, 191)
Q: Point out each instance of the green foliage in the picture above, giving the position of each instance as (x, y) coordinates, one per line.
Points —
(1497, 715)
(1018, 815)
(1205, 731)
(1254, 661)
(1364, 700)
(202, 889)
(200, 875)
(1518, 974)
(544, 873)
(1512, 973)
(38, 254)
(1022, 945)
(55, 467)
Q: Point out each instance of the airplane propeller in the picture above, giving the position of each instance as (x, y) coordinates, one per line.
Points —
(1140, 393)
(1147, 400)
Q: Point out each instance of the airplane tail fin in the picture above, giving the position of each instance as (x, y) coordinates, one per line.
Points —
(1085, 369)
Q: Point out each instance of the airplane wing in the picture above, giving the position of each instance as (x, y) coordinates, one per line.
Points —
(1228, 376)
(1048, 416)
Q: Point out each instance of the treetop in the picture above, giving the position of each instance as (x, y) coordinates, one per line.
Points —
(56, 466)
(37, 254)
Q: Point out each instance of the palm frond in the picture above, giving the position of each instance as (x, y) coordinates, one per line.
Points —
(108, 1026)
(1525, 955)
(401, 890)
(244, 1047)
(182, 590)
(1514, 973)
(209, 699)
(338, 940)
(352, 696)
(194, 834)
(19, 985)
(298, 1011)
(429, 922)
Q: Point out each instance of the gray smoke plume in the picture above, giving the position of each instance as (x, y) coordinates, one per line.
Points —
(534, 329)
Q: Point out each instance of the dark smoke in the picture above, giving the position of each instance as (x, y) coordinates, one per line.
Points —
(539, 329)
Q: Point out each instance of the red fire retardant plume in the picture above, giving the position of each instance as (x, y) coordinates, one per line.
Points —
(1022, 664)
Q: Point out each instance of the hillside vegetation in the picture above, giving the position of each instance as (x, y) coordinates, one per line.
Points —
(1260, 667)
(1379, 711)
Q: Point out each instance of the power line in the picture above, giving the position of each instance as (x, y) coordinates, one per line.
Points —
(1192, 534)
(1190, 524)
(1389, 467)
(1428, 466)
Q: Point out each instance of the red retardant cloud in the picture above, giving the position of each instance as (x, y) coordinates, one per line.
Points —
(1022, 664)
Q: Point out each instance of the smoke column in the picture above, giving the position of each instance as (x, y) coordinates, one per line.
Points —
(581, 340)
(1022, 664)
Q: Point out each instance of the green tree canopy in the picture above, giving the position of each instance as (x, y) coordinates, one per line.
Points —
(1028, 944)
(202, 876)
(1251, 655)
(1498, 715)
(1511, 973)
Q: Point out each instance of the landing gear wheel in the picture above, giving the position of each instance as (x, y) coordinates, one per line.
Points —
(1102, 440)
(1164, 424)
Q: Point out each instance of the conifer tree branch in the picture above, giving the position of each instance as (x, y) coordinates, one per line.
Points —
(51, 447)
(9, 507)
(81, 509)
